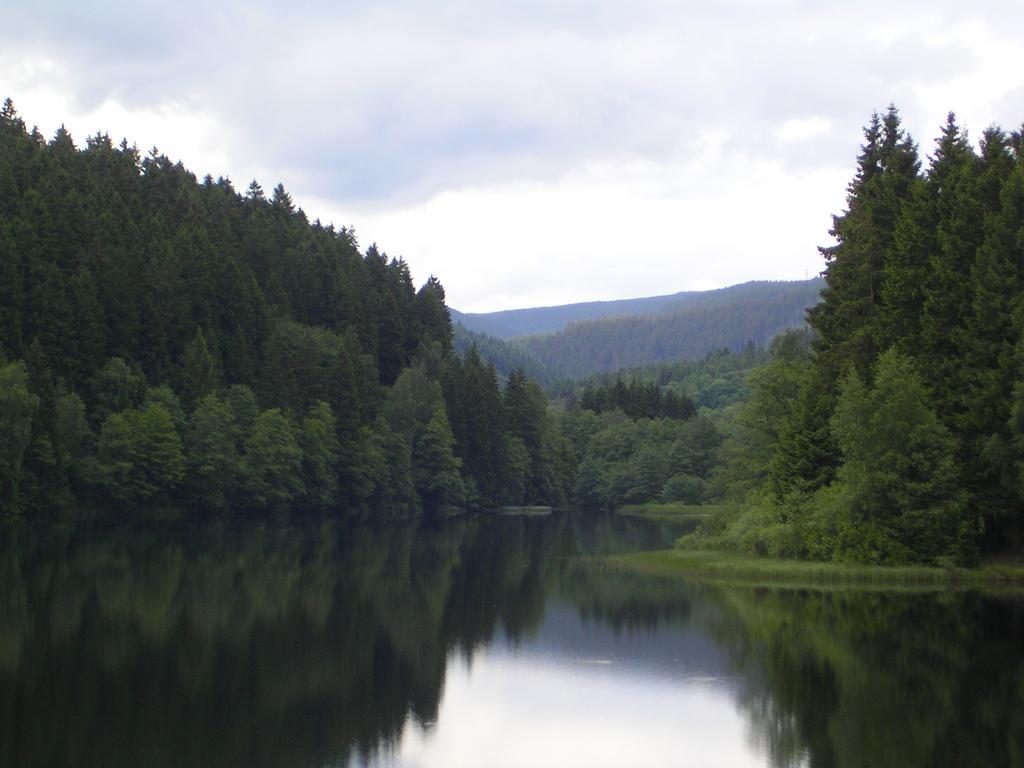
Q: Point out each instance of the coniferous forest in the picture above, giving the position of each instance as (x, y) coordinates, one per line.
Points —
(169, 342)
(897, 434)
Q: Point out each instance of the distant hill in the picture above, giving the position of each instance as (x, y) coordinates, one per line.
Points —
(505, 356)
(577, 340)
(513, 323)
(727, 319)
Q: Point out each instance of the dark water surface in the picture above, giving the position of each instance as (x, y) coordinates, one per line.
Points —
(479, 643)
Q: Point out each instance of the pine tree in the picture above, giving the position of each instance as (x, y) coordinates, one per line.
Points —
(432, 313)
(200, 369)
(435, 467)
(849, 319)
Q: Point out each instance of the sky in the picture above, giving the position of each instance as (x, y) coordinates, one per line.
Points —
(528, 153)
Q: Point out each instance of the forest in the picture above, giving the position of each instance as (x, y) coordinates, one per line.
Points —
(706, 322)
(172, 342)
(895, 431)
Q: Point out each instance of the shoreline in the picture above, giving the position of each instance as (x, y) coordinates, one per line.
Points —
(725, 566)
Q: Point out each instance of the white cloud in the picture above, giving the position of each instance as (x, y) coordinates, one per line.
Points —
(529, 152)
(802, 128)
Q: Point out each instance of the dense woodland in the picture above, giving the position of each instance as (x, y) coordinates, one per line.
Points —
(505, 356)
(714, 382)
(166, 341)
(509, 324)
(728, 319)
(898, 434)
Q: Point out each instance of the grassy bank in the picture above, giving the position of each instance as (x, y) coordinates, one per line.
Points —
(718, 565)
(525, 511)
(675, 511)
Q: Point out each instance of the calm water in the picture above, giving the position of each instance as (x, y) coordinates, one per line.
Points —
(481, 643)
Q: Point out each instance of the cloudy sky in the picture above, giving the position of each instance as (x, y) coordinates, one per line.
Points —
(528, 152)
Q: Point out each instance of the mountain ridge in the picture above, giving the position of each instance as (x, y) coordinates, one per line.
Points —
(574, 341)
(508, 324)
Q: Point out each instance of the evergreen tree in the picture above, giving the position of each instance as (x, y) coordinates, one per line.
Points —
(849, 321)
(432, 313)
(241, 402)
(435, 467)
(117, 387)
(200, 369)
(75, 442)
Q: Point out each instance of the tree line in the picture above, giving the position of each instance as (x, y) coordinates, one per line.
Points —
(895, 434)
(169, 340)
(714, 382)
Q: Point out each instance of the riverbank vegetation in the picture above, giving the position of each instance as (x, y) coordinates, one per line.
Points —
(743, 568)
(894, 433)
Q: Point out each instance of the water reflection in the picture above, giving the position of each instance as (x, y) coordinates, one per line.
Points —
(477, 643)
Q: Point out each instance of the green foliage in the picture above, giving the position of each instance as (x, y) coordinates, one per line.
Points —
(432, 313)
(214, 462)
(200, 369)
(273, 462)
(730, 319)
(915, 455)
(241, 403)
(117, 387)
(319, 444)
(74, 440)
(435, 467)
(165, 397)
(750, 449)
(140, 454)
(116, 457)
(159, 458)
(119, 270)
(578, 340)
(17, 406)
(688, 489)
(900, 498)
(623, 461)
(714, 382)
(389, 465)
(637, 399)
(505, 356)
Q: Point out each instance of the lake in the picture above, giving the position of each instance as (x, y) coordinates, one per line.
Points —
(483, 641)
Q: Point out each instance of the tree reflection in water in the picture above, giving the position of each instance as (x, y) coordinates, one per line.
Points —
(237, 644)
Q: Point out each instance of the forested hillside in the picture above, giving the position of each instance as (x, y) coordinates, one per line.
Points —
(899, 434)
(714, 382)
(728, 319)
(512, 323)
(171, 341)
(505, 356)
